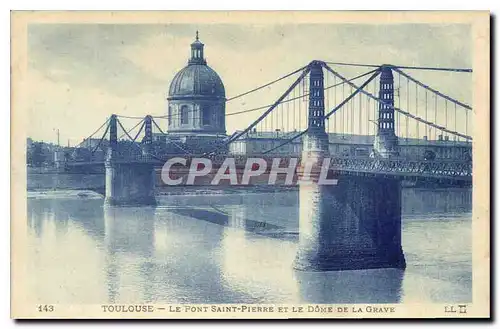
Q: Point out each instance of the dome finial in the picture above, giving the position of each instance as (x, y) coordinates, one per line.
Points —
(197, 51)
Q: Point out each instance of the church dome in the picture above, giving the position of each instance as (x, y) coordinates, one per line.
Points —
(197, 80)
(196, 98)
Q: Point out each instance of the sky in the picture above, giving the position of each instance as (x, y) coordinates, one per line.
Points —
(79, 74)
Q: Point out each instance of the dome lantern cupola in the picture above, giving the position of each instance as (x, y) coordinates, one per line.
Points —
(197, 52)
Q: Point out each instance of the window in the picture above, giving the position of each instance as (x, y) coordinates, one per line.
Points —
(170, 115)
(184, 115)
(206, 115)
(215, 118)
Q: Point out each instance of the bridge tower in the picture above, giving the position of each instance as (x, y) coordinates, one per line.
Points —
(128, 181)
(351, 222)
(386, 141)
(316, 139)
(147, 142)
(113, 136)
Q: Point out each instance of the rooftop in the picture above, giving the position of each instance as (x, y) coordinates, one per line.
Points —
(336, 138)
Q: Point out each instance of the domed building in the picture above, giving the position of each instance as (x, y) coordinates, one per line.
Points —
(197, 104)
(196, 101)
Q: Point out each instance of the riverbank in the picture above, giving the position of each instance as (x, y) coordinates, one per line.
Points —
(162, 192)
(64, 194)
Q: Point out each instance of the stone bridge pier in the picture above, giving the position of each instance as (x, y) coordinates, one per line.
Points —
(352, 224)
(129, 182)
(355, 224)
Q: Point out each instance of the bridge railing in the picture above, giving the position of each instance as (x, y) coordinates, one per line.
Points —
(405, 167)
(352, 164)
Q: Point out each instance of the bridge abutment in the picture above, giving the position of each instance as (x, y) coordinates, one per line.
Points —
(130, 184)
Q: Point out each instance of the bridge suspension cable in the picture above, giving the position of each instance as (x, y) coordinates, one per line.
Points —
(354, 64)
(264, 116)
(132, 139)
(271, 108)
(95, 132)
(267, 105)
(444, 129)
(375, 72)
(301, 96)
(303, 87)
(266, 85)
(432, 89)
(163, 133)
(129, 117)
(348, 112)
(144, 151)
(139, 132)
(125, 130)
(424, 68)
(288, 141)
(446, 69)
(130, 130)
(102, 138)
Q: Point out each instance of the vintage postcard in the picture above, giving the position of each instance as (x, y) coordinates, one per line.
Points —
(250, 165)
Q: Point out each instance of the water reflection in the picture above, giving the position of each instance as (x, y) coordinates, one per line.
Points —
(344, 287)
(86, 213)
(257, 258)
(239, 251)
(236, 217)
(129, 237)
(263, 265)
(129, 230)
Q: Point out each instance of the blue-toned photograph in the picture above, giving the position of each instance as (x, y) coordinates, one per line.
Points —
(219, 163)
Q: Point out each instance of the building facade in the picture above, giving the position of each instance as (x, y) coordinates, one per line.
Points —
(255, 143)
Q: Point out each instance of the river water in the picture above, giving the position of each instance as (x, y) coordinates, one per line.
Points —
(238, 248)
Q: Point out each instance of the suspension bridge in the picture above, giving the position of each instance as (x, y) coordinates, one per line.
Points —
(395, 108)
(353, 224)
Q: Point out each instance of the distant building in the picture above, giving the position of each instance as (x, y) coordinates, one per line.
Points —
(92, 143)
(254, 143)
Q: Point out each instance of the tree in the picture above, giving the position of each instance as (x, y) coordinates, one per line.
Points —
(36, 156)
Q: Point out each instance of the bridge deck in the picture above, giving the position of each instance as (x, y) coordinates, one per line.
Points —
(397, 167)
